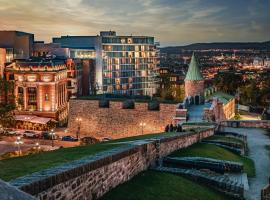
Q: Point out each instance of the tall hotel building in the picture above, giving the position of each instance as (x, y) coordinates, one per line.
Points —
(129, 64)
(123, 64)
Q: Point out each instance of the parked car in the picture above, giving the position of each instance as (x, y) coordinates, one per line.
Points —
(69, 138)
(10, 132)
(30, 134)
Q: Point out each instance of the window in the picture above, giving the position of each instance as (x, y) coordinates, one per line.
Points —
(46, 97)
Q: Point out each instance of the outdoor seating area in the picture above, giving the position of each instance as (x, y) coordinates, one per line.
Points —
(32, 122)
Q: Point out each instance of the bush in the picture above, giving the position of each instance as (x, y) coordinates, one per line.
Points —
(128, 104)
(104, 103)
(153, 105)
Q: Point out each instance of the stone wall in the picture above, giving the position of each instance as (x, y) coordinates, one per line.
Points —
(247, 123)
(116, 122)
(193, 88)
(8, 192)
(93, 176)
(219, 111)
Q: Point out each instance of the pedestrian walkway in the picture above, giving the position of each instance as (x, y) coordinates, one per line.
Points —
(256, 142)
(195, 112)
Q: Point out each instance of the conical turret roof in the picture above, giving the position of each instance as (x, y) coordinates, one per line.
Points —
(194, 73)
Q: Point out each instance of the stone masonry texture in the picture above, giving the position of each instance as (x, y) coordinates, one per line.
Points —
(116, 122)
(93, 176)
(193, 88)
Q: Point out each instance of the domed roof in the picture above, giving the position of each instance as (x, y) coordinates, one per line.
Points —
(194, 73)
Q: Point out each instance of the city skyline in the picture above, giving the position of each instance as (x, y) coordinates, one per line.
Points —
(171, 22)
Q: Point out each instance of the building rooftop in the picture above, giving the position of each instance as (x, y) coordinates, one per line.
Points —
(194, 73)
(223, 97)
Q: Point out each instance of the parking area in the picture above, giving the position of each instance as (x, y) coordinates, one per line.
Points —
(30, 139)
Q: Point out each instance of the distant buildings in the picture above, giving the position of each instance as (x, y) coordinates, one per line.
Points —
(172, 79)
(18, 45)
(14, 45)
(203, 104)
(47, 75)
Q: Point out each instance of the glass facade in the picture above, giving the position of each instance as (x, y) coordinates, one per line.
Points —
(129, 65)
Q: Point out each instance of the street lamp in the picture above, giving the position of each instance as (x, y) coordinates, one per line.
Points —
(52, 134)
(19, 142)
(1, 128)
(78, 120)
(37, 146)
(142, 125)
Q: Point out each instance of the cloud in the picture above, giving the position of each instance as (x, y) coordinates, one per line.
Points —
(170, 21)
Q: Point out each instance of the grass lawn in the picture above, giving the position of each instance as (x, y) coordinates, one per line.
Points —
(20, 166)
(15, 167)
(213, 151)
(225, 139)
(143, 137)
(151, 185)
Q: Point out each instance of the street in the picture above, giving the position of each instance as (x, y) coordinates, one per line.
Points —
(7, 143)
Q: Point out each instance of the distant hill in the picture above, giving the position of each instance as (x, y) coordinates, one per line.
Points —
(218, 45)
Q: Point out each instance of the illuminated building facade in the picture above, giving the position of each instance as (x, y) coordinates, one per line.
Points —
(2, 61)
(74, 66)
(129, 64)
(74, 78)
(118, 64)
(40, 87)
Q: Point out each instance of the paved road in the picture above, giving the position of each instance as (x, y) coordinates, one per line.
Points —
(256, 143)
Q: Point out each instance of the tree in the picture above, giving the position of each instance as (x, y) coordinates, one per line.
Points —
(7, 103)
(228, 82)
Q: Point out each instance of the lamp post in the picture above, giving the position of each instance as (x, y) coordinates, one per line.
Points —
(142, 125)
(1, 129)
(37, 147)
(52, 134)
(19, 142)
(78, 120)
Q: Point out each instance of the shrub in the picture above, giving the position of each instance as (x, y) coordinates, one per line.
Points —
(153, 105)
(104, 103)
(128, 104)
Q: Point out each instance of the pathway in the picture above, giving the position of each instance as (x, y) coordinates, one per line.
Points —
(195, 112)
(261, 157)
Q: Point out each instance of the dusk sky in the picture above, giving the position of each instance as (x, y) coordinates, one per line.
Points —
(172, 22)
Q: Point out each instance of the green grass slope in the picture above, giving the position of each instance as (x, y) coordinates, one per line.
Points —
(150, 185)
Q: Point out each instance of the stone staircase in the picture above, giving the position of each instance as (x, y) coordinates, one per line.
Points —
(221, 183)
(219, 166)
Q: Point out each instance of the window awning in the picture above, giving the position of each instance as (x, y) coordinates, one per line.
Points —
(33, 119)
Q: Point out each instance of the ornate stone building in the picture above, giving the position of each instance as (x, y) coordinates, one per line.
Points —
(194, 82)
(40, 88)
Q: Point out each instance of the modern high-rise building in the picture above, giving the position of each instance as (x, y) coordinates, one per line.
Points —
(129, 64)
(122, 64)
(18, 45)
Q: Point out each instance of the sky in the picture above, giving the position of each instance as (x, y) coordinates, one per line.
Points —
(171, 22)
